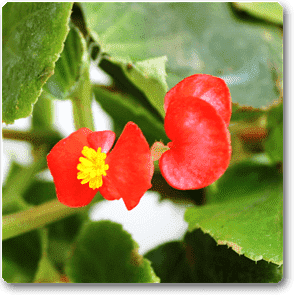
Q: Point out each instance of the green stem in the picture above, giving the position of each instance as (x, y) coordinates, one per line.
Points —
(35, 217)
(33, 137)
(82, 103)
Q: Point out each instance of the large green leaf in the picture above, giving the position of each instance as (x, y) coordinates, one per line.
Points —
(196, 38)
(198, 259)
(33, 36)
(105, 253)
(245, 212)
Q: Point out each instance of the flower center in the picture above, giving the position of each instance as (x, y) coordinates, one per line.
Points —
(92, 167)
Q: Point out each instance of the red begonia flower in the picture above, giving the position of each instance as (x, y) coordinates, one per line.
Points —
(206, 87)
(81, 165)
(200, 150)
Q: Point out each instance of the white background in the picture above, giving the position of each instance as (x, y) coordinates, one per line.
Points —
(151, 223)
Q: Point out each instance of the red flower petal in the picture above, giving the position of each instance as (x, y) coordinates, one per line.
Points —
(206, 87)
(62, 162)
(104, 139)
(130, 166)
(108, 190)
(200, 149)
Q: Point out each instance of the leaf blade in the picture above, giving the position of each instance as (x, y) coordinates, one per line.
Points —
(111, 257)
(30, 51)
(245, 213)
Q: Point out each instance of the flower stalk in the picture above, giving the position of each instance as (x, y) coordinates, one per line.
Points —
(35, 217)
(33, 137)
(82, 103)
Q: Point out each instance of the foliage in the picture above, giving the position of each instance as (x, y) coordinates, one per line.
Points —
(235, 225)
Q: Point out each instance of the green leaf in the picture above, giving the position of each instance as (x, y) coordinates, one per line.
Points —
(271, 11)
(145, 80)
(124, 108)
(61, 237)
(149, 76)
(42, 114)
(19, 178)
(33, 36)
(69, 67)
(170, 264)
(21, 254)
(245, 212)
(197, 38)
(105, 253)
(198, 259)
(46, 272)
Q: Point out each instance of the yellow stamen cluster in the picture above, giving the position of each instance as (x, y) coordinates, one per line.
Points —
(92, 167)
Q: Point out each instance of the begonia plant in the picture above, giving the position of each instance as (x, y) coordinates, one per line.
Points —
(175, 110)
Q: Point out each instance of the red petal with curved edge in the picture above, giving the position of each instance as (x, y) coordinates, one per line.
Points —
(104, 139)
(207, 87)
(200, 149)
(130, 166)
(62, 162)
